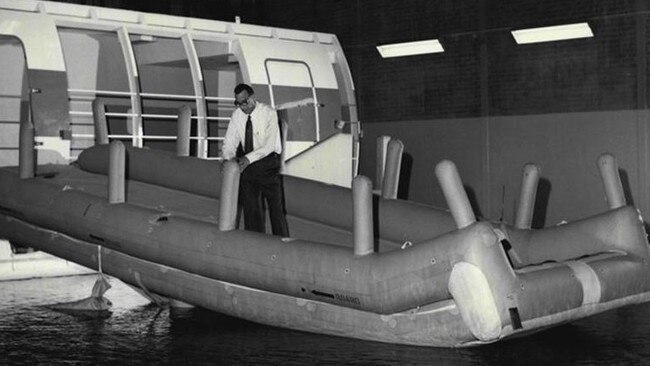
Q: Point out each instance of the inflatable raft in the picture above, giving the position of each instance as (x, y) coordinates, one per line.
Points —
(357, 265)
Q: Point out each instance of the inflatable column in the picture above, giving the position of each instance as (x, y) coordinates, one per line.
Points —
(99, 119)
(362, 216)
(229, 196)
(455, 195)
(382, 144)
(611, 181)
(183, 132)
(116, 172)
(26, 158)
(283, 155)
(393, 166)
(530, 179)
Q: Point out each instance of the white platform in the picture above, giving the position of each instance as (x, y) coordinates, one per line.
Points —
(35, 265)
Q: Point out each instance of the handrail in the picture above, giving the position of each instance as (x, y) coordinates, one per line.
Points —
(161, 116)
(149, 95)
(317, 143)
(86, 94)
(148, 137)
(170, 96)
(108, 114)
(101, 92)
(219, 99)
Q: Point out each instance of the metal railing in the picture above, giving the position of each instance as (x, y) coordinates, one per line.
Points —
(137, 136)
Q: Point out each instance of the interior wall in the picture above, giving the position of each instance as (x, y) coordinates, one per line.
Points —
(427, 142)
(565, 145)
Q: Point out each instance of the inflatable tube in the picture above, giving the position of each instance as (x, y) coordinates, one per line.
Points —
(160, 167)
(380, 283)
(439, 326)
(618, 230)
(463, 283)
(397, 220)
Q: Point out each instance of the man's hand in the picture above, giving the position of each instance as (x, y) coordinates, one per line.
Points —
(222, 166)
(243, 163)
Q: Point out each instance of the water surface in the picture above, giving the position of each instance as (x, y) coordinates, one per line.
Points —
(140, 334)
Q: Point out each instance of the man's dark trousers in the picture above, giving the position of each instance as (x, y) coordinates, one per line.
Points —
(262, 180)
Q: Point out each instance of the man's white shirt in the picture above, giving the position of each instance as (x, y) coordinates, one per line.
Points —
(266, 133)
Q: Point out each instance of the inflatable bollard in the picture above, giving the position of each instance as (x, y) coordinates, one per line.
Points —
(382, 144)
(393, 165)
(362, 216)
(611, 181)
(455, 195)
(527, 195)
(284, 129)
(229, 196)
(183, 131)
(99, 119)
(116, 172)
(26, 159)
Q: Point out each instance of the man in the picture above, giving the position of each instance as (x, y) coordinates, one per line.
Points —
(254, 125)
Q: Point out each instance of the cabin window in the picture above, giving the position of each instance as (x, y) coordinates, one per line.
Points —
(166, 84)
(291, 81)
(14, 98)
(221, 73)
(95, 69)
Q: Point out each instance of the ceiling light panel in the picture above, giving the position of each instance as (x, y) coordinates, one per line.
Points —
(554, 33)
(410, 48)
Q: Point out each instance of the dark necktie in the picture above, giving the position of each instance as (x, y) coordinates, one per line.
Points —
(248, 139)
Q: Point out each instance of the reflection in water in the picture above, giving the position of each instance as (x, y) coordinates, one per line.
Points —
(138, 333)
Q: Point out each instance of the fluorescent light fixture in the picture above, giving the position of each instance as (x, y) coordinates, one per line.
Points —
(410, 48)
(554, 33)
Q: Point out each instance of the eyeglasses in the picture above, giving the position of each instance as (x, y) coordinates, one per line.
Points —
(244, 103)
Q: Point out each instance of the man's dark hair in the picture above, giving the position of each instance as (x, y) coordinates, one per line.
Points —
(244, 87)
